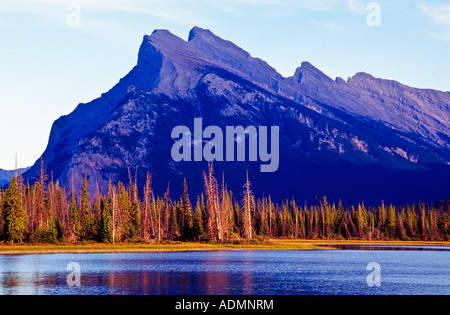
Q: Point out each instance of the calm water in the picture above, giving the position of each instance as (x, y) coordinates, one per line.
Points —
(230, 272)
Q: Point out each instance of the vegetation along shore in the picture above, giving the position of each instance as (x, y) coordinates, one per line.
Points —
(48, 213)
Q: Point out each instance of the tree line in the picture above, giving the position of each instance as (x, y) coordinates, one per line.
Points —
(46, 212)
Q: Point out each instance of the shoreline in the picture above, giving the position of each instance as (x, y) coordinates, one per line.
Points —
(273, 244)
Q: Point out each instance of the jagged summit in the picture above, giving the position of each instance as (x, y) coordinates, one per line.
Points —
(311, 73)
(198, 32)
(174, 58)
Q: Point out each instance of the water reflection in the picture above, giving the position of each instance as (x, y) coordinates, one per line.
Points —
(229, 273)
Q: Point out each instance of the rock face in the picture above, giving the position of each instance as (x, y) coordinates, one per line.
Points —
(365, 139)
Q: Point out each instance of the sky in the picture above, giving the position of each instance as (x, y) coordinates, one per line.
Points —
(55, 54)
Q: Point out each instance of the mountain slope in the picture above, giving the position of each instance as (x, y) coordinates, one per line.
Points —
(366, 139)
(5, 176)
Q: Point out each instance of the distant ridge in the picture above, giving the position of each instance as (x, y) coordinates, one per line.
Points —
(5, 176)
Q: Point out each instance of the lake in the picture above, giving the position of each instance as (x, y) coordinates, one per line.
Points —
(337, 272)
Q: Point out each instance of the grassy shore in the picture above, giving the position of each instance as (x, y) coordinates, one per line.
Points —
(360, 242)
(273, 244)
(142, 248)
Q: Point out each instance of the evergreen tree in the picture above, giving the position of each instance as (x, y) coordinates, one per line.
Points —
(2, 223)
(392, 221)
(362, 221)
(338, 222)
(85, 210)
(198, 224)
(14, 216)
(105, 232)
(148, 226)
(74, 217)
(52, 230)
(412, 227)
(247, 205)
(326, 218)
(185, 214)
(174, 227)
(45, 214)
(214, 221)
(124, 219)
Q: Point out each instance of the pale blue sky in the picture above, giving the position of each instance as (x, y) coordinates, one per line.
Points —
(47, 66)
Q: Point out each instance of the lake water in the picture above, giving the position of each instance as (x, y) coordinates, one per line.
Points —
(342, 272)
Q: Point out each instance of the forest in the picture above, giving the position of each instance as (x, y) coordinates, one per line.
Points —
(46, 212)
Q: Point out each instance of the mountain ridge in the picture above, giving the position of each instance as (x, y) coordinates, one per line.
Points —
(6, 175)
(367, 122)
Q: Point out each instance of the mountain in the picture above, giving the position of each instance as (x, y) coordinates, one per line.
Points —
(364, 139)
(5, 176)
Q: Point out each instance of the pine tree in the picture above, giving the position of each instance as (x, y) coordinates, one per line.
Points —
(148, 211)
(124, 213)
(166, 213)
(106, 225)
(392, 221)
(174, 226)
(326, 218)
(85, 210)
(14, 216)
(136, 222)
(185, 214)
(114, 207)
(338, 222)
(52, 230)
(214, 221)
(382, 221)
(74, 218)
(401, 220)
(264, 224)
(411, 222)
(362, 221)
(198, 224)
(248, 206)
(423, 223)
(41, 197)
(2, 223)
(43, 213)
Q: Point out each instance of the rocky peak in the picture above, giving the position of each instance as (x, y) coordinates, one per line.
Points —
(308, 72)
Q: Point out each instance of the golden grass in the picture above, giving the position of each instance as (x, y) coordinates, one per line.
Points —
(137, 248)
(273, 244)
(359, 242)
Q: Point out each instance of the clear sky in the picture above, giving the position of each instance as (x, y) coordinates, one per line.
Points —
(55, 54)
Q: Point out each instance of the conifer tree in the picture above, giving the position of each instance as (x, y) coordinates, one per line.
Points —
(214, 221)
(85, 210)
(135, 213)
(247, 206)
(74, 216)
(382, 220)
(185, 214)
(106, 224)
(392, 221)
(41, 196)
(14, 216)
(51, 235)
(411, 222)
(174, 227)
(338, 223)
(198, 224)
(2, 223)
(423, 222)
(148, 211)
